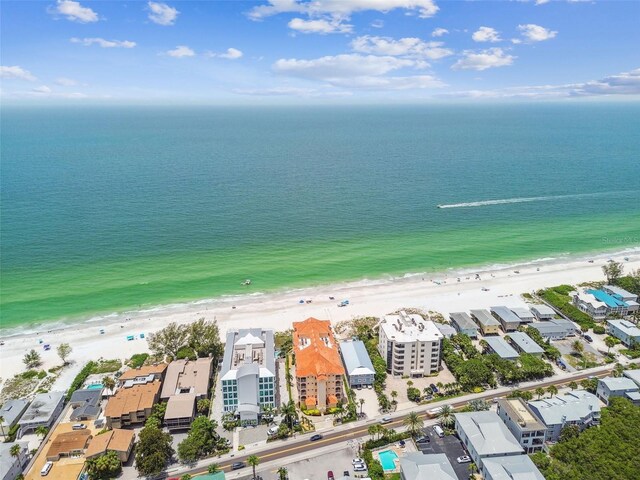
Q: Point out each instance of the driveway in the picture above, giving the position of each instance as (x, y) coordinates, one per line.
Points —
(451, 446)
(370, 408)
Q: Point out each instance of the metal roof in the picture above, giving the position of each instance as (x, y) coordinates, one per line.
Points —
(505, 314)
(511, 467)
(501, 347)
(463, 321)
(523, 313)
(356, 359)
(485, 318)
(543, 310)
(42, 407)
(11, 411)
(525, 343)
(418, 466)
(487, 433)
(621, 383)
(569, 407)
(633, 375)
(626, 327)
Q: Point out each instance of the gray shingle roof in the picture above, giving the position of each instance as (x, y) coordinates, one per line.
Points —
(512, 467)
(418, 466)
(487, 433)
(356, 359)
(569, 407)
(11, 411)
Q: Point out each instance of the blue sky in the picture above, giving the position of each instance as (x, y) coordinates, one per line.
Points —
(285, 51)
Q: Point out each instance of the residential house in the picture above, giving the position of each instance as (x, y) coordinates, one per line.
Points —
(86, 404)
(248, 373)
(524, 314)
(488, 325)
(11, 411)
(116, 440)
(69, 444)
(515, 467)
(523, 343)
(527, 429)
(631, 299)
(556, 328)
(42, 412)
(142, 374)
(543, 312)
(445, 329)
(360, 371)
(11, 467)
(462, 322)
(319, 369)
(485, 436)
(418, 466)
(578, 407)
(600, 304)
(508, 320)
(500, 346)
(410, 345)
(133, 402)
(625, 331)
(633, 375)
(624, 387)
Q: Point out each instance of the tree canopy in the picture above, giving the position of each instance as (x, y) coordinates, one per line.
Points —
(104, 467)
(201, 337)
(153, 449)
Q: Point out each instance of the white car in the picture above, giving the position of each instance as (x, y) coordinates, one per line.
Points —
(359, 467)
(464, 459)
(357, 460)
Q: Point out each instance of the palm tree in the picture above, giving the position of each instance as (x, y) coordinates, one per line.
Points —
(372, 430)
(440, 385)
(414, 423)
(213, 468)
(573, 385)
(42, 431)
(15, 451)
(446, 416)
(253, 460)
(288, 410)
(409, 383)
(539, 392)
(109, 383)
(617, 370)
(577, 347)
(552, 390)
(361, 401)
(282, 473)
(610, 342)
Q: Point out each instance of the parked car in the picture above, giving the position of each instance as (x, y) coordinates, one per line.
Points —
(588, 338)
(78, 426)
(424, 439)
(359, 467)
(272, 431)
(433, 387)
(315, 437)
(386, 419)
(237, 465)
(356, 460)
(330, 475)
(464, 459)
(346, 473)
(438, 430)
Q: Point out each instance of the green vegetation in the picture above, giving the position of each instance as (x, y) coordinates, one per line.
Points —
(200, 338)
(414, 423)
(80, 378)
(137, 360)
(201, 441)
(607, 452)
(284, 342)
(32, 359)
(64, 350)
(599, 330)
(560, 299)
(107, 366)
(550, 352)
(153, 449)
(104, 467)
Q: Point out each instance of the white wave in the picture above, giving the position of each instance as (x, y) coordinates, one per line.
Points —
(503, 201)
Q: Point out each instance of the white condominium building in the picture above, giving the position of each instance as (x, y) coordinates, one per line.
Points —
(410, 345)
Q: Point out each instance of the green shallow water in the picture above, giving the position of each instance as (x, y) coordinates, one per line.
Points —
(116, 209)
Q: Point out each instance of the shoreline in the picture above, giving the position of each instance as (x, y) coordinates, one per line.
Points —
(439, 292)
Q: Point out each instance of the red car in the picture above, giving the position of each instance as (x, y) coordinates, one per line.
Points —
(329, 475)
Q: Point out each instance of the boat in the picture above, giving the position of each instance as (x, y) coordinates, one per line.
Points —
(246, 282)
(439, 206)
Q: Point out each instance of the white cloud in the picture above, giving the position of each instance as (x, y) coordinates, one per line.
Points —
(486, 34)
(42, 89)
(438, 32)
(74, 12)
(231, 54)
(483, 59)
(87, 42)
(66, 82)
(17, 73)
(626, 83)
(541, 2)
(536, 33)
(377, 23)
(409, 47)
(341, 8)
(181, 51)
(321, 26)
(291, 91)
(162, 14)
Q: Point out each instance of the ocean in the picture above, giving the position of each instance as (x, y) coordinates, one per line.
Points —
(110, 209)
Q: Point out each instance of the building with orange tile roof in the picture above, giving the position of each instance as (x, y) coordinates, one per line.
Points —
(132, 404)
(116, 440)
(143, 373)
(319, 368)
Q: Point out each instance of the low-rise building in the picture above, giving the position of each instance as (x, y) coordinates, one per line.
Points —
(600, 304)
(116, 440)
(180, 412)
(360, 371)
(319, 369)
(508, 320)
(86, 404)
(10, 412)
(522, 423)
(248, 374)
(543, 312)
(488, 325)
(69, 444)
(633, 375)
(410, 345)
(418, 466)
(463, 323)
(524, 314)
(485, 436)
(625, 331)
(500, 346)
(42, 412)
(445, 329)
(523, 343)
(624, 387)
(11, 467)
(132, 404)
(142, 374)
(621, 294)
(555, 328)
(578, 407)
(515, 467)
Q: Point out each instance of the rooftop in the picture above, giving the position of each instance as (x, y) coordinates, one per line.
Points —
(315, 349)
(522, 313)
(633, 375)
(543, 310)
(626, 327)
(463, 320)
(356, 359)
(485, 318)
(117, 440)
(11, 411)
(418, 466)
(487, 433)
(609, 300)
(519, 412)
(132, 399)
(512, 467)
(505, 314)
(92, 395)
(180, 406)
(42, 407)
(6, 460)
(184, 376)
(405, 328)
(569, 407)
(525, 342)
(69, 442)
(143, 371)
(501, 347)
(620, 292)
(620, 383)
(554, 325)
(248, 346)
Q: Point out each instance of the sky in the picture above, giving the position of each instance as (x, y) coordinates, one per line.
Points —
(322, 51)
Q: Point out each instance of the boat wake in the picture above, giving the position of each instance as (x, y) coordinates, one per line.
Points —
(503, 201)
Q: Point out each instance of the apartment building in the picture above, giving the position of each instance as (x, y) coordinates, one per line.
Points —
(578, 407)
(527, 429)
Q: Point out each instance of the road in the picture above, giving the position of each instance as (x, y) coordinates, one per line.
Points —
(352, 431)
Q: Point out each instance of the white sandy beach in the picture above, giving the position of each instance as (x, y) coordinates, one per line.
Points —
(442, 293)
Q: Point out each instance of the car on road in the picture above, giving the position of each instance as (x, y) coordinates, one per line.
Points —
(424, 439)
(463, 459)
(356, 460)
(386, 419)
(237, 465)
(330, 475)
(359, 467)
(346, 473)
(588, 338)
(315, 437)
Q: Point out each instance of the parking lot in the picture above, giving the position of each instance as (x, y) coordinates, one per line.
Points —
(451, 446)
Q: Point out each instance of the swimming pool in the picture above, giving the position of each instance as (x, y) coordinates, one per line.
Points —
(387, 459)
(94, 386)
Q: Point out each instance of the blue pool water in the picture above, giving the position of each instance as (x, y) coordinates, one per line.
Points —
(387, 459)
(94, 386)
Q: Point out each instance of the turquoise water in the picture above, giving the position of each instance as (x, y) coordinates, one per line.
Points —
(387, 459)
(119, 208)
(94, 386)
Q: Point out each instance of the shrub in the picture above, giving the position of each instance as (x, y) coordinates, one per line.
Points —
(80, 378)
(599, 329)
(137, 360)
(42, 374)
(313, 412)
